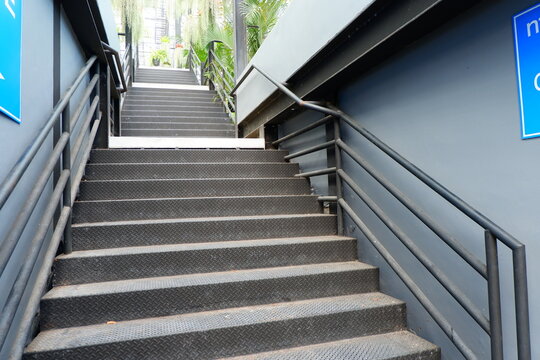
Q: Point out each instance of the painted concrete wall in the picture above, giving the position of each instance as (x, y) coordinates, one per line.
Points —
(449, 104)
(299, 34)
(37, 104)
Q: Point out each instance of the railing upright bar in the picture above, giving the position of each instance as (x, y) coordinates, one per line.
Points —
(66, 166)
(522, 304)
(339, 184)
(494, 297)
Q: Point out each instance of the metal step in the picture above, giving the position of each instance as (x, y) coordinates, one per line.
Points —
(189, 171)
(228, 332)
(145, 189)
(140, 209)
(143, 100)
(177, 119)
(194, 95)
(91, 266)
(176, 113)
(176, 126)
(161, 92)
(185, 106)
(401, 345)
(184, 156)
(194, 132)
(97, 303)
(108, 235)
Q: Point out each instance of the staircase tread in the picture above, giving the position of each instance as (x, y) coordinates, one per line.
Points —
(204, 321)
(201, 246)
(200, 279)
(194, 179)
(201, 220)
(202, 198)
(373, 347)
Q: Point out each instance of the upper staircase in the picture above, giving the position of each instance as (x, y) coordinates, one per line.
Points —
(209, 254)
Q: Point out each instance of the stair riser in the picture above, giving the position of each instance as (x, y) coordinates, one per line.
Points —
(177, 133)
(175, 126)
(106, 237)
(188, 171)
(191, 208)
(244, 339)
(175, 113)
(80, 311)
(143, 101)
(187, 106)
(161, 92)
(111, 268)
(165, 78)
(177, 120)
(166, 81)
(171, 96)
(114, 190)
(184, 156)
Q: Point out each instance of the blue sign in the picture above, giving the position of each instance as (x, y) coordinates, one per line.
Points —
(527, 47)
(10, 58)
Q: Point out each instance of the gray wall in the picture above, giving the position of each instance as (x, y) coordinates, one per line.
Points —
(449, 104)
(37, 104)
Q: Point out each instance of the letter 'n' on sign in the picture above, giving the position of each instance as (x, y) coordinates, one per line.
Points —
(527, 49)
(10, 59)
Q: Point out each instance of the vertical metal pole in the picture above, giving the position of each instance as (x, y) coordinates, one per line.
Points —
(102, 136)
(522, 304)
(494, 296)
(57, 128)
(240, 40)
(66, 165)
(339, 188)
(331, 162)
(210, 59)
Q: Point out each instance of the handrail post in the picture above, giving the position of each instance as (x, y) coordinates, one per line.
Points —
(102, 136)
(339, 185)
(494, 296)
(522, 303)
(66, 165)
(209, 61)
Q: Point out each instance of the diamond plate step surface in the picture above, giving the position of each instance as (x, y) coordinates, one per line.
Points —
(176, 231)
(119, 210)
(177, 119)
(175, 113)
(184, 156)
(141, 189)
(172, 106)
(165, 260)
(194, 132)
(78, 305)
(189, 170)
(175, 126)
(228, 332)
(400, 345)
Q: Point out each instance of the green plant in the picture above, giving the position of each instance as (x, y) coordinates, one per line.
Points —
(260, 17)
(158, 56)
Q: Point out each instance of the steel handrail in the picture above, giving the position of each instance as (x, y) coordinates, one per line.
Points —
(64, 192)
(118, 67)
(492, 230)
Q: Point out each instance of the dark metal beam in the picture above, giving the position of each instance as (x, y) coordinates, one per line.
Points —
(381, 31)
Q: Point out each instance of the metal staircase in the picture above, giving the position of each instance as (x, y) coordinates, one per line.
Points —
(207, 254)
